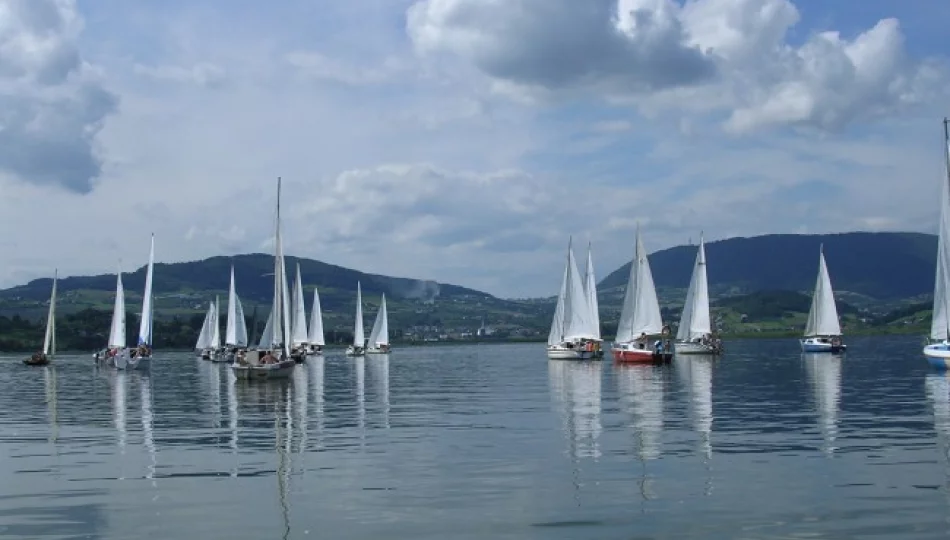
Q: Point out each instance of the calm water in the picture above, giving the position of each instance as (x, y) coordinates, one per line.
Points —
(482, 440)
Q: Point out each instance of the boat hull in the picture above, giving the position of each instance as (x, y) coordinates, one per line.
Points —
(816, 345)
(682, 347)
(355, 351)
(140, 362)
(564, 353)
(280, 370)
(938, 355)
(38, 359)
(636, 354)
(374, 350)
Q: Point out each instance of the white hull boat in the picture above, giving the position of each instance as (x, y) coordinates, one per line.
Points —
(823, 344)
(823, 331)
(937, 351)
(691, 347)
(573, 334)
(251, 368)
(694, 335)
(562, 352)
(355, 351)
(358, 348)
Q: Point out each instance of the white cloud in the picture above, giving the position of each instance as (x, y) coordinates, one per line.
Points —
(52, 103)
(201, 74)
(715, 55)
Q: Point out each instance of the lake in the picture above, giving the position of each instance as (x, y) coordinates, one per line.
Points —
(481, 441)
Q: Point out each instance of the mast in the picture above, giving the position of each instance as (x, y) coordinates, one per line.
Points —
(946, 294)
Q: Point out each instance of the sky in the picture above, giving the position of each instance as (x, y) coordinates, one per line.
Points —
(463, 141)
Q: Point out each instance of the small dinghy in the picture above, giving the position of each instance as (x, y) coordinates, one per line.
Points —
(44, 356)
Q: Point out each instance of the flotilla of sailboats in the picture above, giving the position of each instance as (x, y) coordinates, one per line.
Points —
(573, 334)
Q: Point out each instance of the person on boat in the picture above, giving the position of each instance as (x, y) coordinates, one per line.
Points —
(642, 340)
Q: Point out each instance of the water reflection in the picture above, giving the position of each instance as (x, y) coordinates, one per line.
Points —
(117, 378)
(148, 437)
(641, 395)
(52, 414)
(379, 372)
(282, 442)
(315, 367)
(938, 391)
(301, 395)
(576, 387)
(214, 376)
(824, 374)
(360, 364)
(233, 422)
(700, 391)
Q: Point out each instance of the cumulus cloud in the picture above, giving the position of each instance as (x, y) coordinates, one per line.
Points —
(719, 55)
(52, 103)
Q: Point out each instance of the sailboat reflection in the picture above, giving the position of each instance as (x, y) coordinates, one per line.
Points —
(315, 370)
(379, 371)
(576, 386)
(824, 374)
(283, 437)
(148, 436)
(214, 376)
(700, 389)
(50, 385)
(301, 379)
(641, 396)
(118, 411)
(361, 395)
(938, 391)
(233, 422)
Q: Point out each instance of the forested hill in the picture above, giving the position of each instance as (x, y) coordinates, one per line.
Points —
(879, 265)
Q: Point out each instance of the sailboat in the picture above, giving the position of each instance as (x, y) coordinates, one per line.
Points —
(298, 333)
(694, 335)
(379, 335)
(142, 355)
(203, 345)
(49, 340)
(590, 290)
(315, 335)
(235, 333)
(272, 360)
(823, 331)
(115, 351)
(572, 335)
(359, 343)
(216, 329)
(938, 350)
(640, 316)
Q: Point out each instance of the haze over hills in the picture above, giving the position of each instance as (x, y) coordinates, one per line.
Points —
(884, 266)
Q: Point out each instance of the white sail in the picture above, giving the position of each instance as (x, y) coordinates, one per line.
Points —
(940, 324)
(823, 315)
(379, 335)
(267, 336)
(280, 311)
(590, 289)
(204, 337)
(358, 339)
(694, 321)
(145, 324)
(231, 330)
(117, 331)
(49, 340)
(216, 325)
(556, 335)
(299, 335)
(580, 324)
(315, 336)
(641, 309)
(240, 324)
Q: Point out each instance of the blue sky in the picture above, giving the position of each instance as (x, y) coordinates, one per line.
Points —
(459, 140)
